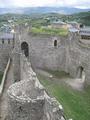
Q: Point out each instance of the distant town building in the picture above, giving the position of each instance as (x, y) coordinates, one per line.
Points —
(10, 21)
(73, 24)
(59, 24)
(7, 38)
(85, 33)
(73, 30)
(5, 28)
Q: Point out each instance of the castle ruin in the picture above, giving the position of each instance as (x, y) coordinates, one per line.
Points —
(27, 98)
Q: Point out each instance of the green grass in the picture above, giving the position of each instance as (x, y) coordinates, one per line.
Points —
(61, 32)
(1, 75)
(76, 104)
(59, 74)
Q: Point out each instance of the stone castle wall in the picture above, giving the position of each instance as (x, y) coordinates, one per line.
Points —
(5, 52)
(68, 56)
(16, 58)
(42, 52)
(79, 56)
(28, 100)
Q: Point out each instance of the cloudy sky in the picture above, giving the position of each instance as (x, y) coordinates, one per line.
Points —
(33, 3)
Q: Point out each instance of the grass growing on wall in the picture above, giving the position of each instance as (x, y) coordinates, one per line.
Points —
(61, 32)
(76, 104)
(1, 75)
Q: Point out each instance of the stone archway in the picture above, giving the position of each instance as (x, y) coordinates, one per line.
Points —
(55, 43)
(25, 48)
(80, 72)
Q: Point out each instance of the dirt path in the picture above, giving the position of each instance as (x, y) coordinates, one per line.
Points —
(3, 99)
(77, 84)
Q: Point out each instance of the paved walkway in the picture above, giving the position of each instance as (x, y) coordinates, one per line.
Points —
(3, 99)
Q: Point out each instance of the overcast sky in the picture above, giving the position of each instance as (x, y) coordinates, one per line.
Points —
(34, 3)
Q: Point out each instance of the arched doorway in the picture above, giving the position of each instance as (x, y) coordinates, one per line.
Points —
(55, 43)
(25, 48)
(80, 72)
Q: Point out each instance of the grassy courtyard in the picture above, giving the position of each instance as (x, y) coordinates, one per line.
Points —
(40, 30)
(76, 104)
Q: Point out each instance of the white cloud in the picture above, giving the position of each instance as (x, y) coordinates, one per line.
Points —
(34, 3)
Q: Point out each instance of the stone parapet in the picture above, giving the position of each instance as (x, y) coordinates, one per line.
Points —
(28, 100)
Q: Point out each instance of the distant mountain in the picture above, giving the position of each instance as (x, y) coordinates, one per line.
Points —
(31, 10)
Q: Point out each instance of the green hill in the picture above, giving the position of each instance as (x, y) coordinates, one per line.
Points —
(83, 17)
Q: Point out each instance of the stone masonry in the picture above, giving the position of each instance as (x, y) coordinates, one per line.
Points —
(28, 100)
(70, 54)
